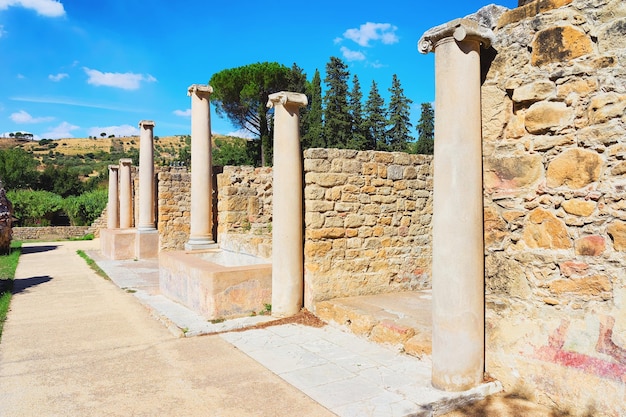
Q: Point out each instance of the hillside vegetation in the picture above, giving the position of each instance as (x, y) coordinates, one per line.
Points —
(64, 181)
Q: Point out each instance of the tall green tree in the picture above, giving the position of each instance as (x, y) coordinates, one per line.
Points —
(17, 169)
(400, 125)
(298, 84)
(337, 125)
(313, 131)
(375, 120)
(241, 95)
(426, 131)
(357, 138)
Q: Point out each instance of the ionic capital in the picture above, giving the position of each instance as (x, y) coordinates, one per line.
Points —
(459, 29)
(126, 161)
(114, 167)
(199, 90)
(147, 124)
(286, 98)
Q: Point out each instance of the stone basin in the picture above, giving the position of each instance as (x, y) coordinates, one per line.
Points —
(217, 284)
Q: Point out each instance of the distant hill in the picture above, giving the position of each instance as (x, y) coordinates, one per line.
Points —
(165, 146)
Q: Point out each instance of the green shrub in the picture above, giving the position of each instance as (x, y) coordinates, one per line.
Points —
(85, 208)
(35, 208)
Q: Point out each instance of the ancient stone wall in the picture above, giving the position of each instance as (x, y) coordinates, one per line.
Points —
(49, 232)
(245, 210)
(173, 207)
(554, 126)
(367, 223)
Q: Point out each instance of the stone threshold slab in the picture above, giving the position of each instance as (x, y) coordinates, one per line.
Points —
(402, 319)
(349, 375)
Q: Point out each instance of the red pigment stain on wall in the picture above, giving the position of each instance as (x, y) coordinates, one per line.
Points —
(555, 353)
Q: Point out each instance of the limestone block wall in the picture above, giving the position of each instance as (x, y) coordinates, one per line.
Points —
(367, 223)
(173, 207)
(244, 210)
(554, 126)
(49, 232)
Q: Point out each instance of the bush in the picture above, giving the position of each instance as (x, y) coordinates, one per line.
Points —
(85, 208)
(35, 208)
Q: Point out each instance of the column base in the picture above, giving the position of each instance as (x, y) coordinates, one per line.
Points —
(118, 244)
(147, 243)
(200, 244)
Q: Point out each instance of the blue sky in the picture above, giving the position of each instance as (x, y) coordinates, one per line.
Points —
(76, 68)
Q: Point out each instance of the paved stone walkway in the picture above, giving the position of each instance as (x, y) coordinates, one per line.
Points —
(75, 344)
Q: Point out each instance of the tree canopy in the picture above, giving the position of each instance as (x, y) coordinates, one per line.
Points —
(241, 95)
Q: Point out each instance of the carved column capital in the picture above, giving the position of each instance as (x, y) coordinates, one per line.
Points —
(147, 124)
(199, 90)
(459, 29)
(287, 97)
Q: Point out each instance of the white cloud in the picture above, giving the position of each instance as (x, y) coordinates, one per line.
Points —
(2, 31)
(123, 130)
(48, 8)
(182, 113)
(61, 131)
(126, 81)
(58, 77)
(23, 117)
(351, 55)
(384, 32)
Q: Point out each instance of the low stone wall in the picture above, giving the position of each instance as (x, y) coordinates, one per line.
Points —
(367, 223)
(173, 207)
(245, 210)
(49, 233)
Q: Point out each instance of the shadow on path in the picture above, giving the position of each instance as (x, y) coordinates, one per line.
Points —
(22, 284)
(37, 249)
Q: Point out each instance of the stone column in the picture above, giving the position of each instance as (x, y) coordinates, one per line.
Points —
(126, 194)
(458, 255)
(146, 176)
(200, 235)
(287, 246)
(113, 218)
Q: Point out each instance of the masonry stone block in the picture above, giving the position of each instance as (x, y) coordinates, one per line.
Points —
(545, 116)
(560, 44)
(617, 231)
(544, 230)
(574, 168)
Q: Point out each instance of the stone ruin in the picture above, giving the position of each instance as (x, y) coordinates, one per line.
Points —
(539, 245)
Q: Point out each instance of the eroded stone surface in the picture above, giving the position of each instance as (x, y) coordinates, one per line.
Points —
(544, 230)
(560, 44)
(574, 168)
(544, 116)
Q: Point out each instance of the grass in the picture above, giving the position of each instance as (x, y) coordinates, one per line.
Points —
(92, 264)
(8, 264)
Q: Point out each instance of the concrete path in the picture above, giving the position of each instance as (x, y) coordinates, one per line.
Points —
(348, 375)
(75, 344)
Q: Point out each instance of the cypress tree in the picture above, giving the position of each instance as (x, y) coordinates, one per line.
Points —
(426, 131)
(399, 118)
(337, 126)
(357, 139)
(312, 136)
(375, 120)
